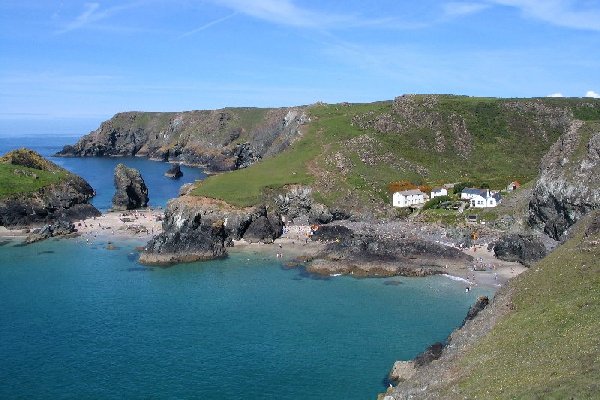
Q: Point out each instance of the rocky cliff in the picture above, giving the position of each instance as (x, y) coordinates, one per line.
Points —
(198, 228)
(221, 140)
(569, 182)
(41, 192)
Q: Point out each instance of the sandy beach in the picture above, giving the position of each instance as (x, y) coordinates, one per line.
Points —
(139, 224)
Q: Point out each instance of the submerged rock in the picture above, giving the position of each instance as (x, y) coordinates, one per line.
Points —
(174, 172)
(131, 189)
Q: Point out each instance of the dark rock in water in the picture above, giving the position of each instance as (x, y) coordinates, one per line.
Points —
(433, 352)
(131, 191)
(525, 249)
(481, 303)
(58, 228)
(569, 180)
(174, 172)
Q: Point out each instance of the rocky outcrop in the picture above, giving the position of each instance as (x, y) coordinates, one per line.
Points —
(196, 228)
(220, 140)
(56, 229)
(297, 204)
(481, 303)
(174, 172)
(522, 248)
(65, 197)
(569, 182)
(364, 252)
(131, 191)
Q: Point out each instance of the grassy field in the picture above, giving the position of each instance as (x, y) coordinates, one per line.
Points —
(345, 163)
(549, 346)
(25, 180)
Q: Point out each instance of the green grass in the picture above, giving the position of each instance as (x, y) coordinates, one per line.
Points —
(506, 145)
(25, 182)
(549, 346)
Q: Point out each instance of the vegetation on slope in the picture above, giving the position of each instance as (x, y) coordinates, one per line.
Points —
(549, 346)
(351, 152)
(24, 171)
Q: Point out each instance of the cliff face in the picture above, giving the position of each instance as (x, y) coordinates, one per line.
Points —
(66, 195)
(197, 228)
(569, 182)
(131, 191)
(221, 140)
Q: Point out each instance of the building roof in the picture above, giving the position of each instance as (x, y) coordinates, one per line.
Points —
(497, 197)
(437, 189)
(479, 192)
(410, 192)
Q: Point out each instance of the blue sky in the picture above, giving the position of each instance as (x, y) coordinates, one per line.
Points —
(89, 60)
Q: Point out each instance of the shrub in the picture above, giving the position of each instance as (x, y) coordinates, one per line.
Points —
(435, 202)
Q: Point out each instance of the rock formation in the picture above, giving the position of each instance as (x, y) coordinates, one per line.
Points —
(58, 228)
(131, 191)
(174, 172)
(220, 140)
(522, 248)
(569, 182)
(197, 228)
(65, 197)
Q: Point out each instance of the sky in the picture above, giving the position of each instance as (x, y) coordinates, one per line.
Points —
(87, 60)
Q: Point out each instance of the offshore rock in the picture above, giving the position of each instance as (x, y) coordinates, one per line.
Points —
(569, 182)
(522, 248)
(132, 192)
(66, 199)
(198, 228)
(174, 172)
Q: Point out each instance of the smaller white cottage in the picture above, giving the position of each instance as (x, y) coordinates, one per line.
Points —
(481, 198)
(408, 198)
(438, 191)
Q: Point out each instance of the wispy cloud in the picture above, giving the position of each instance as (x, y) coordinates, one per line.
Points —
(566, 13)
(459, 9)
(209, 24)
(591, 93)
(285, 12)
(93, 12)
(556, 95)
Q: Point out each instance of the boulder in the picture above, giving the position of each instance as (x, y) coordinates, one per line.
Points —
(58, 228)
(522, 248)
(402, 371)
(131, 190)
(174, 172)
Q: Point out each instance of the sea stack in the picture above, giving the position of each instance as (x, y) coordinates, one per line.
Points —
(131, 191)
(174, 172)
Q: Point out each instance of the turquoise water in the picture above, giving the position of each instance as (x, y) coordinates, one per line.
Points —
(80, 321)
(99, 171)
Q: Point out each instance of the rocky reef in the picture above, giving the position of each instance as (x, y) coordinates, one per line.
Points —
(220, 140)
(55, 229)
(131, 190)
(64, 197)
(196, 228)
(174, 172)
(569, 182)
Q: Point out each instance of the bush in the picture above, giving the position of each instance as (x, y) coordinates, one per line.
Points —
(435, 202)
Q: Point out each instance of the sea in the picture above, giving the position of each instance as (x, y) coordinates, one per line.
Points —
(81, 321)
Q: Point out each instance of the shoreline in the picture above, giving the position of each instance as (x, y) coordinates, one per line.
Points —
(294, 248)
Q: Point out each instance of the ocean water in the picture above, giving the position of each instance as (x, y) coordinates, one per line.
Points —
(81, 321)
(99, 171)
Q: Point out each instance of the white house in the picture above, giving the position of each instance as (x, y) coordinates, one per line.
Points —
(481, 198)
(438, 191)
(407, 198)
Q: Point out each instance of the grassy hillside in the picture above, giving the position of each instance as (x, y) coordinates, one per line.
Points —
(549, 346)
(23, 171)
(350, 152)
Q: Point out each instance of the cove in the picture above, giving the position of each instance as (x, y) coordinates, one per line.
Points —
(81, 321)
